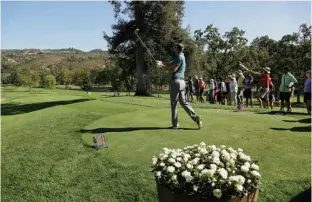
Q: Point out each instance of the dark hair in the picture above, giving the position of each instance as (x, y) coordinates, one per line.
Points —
(220, 78)
(286, 69)
(180, 46)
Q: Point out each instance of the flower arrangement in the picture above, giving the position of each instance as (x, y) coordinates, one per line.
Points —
(204, 171)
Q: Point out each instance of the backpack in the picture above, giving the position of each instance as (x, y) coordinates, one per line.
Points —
(201, 84)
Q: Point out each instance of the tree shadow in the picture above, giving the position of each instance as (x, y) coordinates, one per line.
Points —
(308, 120)
(282, 113)
(304, 196)
(14, 109)
(295, 129)
(127, 129)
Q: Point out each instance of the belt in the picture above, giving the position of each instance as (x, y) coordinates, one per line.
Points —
(178, 78)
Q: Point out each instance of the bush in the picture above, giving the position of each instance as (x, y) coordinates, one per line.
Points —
(206, 171)
(49, 82)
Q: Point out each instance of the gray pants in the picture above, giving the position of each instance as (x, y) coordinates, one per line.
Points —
(177, 93)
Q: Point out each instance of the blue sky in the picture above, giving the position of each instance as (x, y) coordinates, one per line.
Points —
(80, 24)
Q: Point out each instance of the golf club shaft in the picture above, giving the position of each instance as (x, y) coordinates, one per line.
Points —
(144, 46)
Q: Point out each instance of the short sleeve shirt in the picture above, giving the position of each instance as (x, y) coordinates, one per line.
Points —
(180, 61)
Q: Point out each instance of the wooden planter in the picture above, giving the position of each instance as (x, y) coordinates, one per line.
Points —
(165, 195)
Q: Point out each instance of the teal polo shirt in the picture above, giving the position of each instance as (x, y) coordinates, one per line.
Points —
(180, 61)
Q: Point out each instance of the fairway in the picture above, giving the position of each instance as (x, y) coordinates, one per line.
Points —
(47, 152)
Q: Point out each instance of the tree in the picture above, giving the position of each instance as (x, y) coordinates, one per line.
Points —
(49, 82)
(28, 77)
(81, 77)
(159, 24)
(222, 51)
(66, 77)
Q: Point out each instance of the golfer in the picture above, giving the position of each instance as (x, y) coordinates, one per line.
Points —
(177, 88)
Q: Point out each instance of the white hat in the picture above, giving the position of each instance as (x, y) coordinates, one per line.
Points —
(267, 69)
(240, 72)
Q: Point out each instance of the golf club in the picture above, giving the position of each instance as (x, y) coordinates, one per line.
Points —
(136, 33)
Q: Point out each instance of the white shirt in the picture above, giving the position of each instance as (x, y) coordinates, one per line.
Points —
(233, 86)
(212, 86)
(223, 87)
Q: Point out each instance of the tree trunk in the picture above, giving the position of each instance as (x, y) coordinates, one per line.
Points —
(142, 87)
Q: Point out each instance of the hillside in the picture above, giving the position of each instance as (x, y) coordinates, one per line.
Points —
(72, 58)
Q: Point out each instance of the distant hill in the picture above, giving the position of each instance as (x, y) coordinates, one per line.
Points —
(70, 57)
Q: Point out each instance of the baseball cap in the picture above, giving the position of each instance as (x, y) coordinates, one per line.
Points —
(180, 45)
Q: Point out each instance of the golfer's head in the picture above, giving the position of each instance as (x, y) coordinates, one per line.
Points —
(179, 48)
(286, 70)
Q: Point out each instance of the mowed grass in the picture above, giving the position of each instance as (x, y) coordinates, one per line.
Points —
(47, 138)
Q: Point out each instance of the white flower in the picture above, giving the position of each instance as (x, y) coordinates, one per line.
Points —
(233, 155)
(244, 157)
(223, 173)
(158, 174)
(254, 167)
(154, 160)
(195, 161)
(170, 169)
(166, 150)
(162, 164)
(222, 146)
(179, 159)
(197, 155)
(240, 150)
(202, 145)
(232, 161)
(189, 166)
(171, 160)
(212, 147)
(248, 181)
(163, 156)
(239, 187)
(238, 179)
(203, 151)
(255, 173)
(208, 172)
(213, 166)
(221, 164)
(247, 164)
(216, 160)
(201, 166)
(213, 184)
(174, 155)
(185, 173)
(217, 193)
(177, 164)
(174, 177)
(187, 176)
(215, 154)
(244, 168)
(195, 188)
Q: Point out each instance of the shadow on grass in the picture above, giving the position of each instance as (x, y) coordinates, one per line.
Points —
(308, 120)
(304, 196)
(295, 129)
(282, 113)
(128, 129)
(14, 109)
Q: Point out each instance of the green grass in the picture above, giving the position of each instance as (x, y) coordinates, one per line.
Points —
(47, 155)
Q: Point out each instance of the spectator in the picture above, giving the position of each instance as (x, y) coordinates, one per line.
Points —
(271, 95)
(196, 87)
(211, 91)
(228, 90)
(249, 80)
(287, 82)
(233, 89)
(307, 91)
(201, 88)
(191, 89)
(241, 85)
(221, 92)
